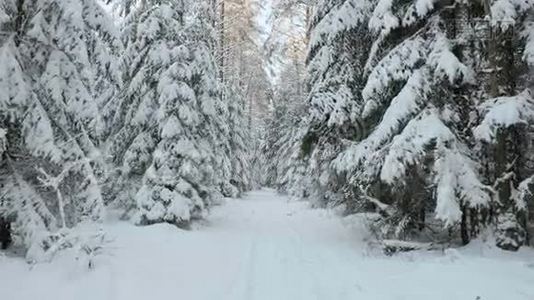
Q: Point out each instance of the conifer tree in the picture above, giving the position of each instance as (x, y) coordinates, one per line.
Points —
(59, 57)
(505, 112)
(240, 140)
(421, 136)
(339, 45)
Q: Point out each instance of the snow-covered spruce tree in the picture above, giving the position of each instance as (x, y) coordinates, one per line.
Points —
(133, 127)
(57, 58)
(240, 141)
(223, 122)
(506, 114)
(212, 127)
(167, 116)
(339, 45)
(415, 158)
(424, 82)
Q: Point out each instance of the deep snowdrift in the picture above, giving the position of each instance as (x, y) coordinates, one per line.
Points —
(264, 247)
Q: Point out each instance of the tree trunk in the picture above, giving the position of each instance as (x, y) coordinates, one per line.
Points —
(5, 233)
(19, 20)
(463, 226)
(222, 41)
(506, 154)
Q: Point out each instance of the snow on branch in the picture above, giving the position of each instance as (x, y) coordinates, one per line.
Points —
(457, 181)
(12, 84)
(4, 17)
(398, 65)
(343, 17)
(386, 16)
(405, 105)
(523, 191)
(417, 11)
(503, 112)
(34, 220)
(505, 12)
(446, 65)
(408, 147)
(456, 176)
(383, 20)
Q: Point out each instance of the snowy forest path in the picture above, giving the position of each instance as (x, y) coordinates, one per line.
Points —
(266, 247)
(287, 246)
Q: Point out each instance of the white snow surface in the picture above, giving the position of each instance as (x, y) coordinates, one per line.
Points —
(267, 247)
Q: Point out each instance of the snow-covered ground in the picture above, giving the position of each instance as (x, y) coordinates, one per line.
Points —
(266, 247)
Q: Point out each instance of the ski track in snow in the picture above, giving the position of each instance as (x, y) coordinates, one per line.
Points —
(264, 247)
